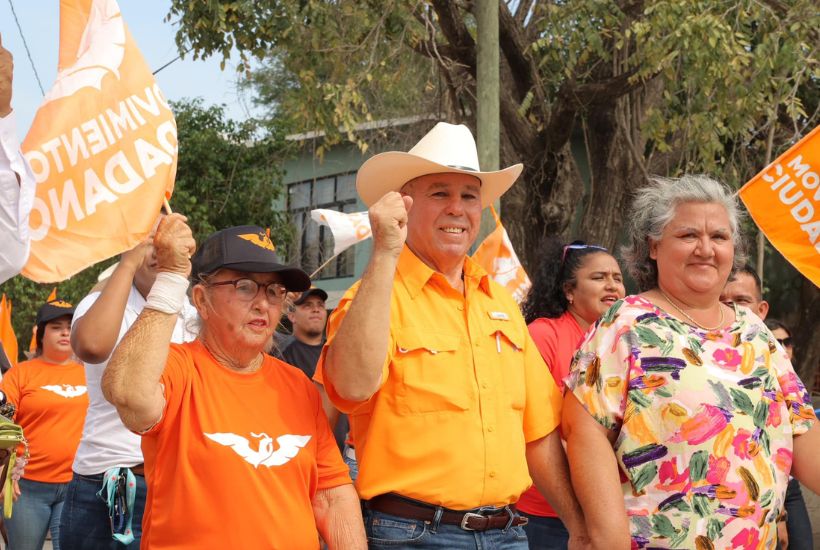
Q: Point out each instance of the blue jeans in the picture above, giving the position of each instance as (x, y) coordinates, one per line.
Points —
(388, 531)
(36, 512)
(85, 524)
(798, 523)
(349, 456)
(546, 533)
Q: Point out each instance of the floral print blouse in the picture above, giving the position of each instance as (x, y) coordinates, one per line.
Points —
(705, 421)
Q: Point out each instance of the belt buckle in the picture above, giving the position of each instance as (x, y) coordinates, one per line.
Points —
(467, 517)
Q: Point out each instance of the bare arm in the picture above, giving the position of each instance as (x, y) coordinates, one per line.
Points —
(331, 411)
(6, 71)
(338, 518)
(131, 381)
(550, 473)
(95, 334)
(354, 363)
(806, 459)
(595, 476)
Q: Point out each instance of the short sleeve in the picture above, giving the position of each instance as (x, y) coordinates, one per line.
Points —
(542, 413)
(173, 380)
(332, 471)
(333, 324)
(600, 370)
(84, 305)
(545, 339)
(795, 396)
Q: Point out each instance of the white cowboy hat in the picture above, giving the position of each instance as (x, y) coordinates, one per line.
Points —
(447, 148)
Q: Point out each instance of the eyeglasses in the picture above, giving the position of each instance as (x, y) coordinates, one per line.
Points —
(785, 342)
(247, 289)
(579, 247)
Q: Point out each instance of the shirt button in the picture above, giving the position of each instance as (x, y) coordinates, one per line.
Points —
(461, 308)
(492, 474)
(489, 428)
(483, 385)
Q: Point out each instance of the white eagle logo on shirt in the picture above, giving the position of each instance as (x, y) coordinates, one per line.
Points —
(289, 446)
(66, 390)
(101, 51)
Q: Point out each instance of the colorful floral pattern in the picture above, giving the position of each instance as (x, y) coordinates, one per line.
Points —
(705, 422)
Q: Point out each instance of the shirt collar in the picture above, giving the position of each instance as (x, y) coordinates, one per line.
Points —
(415, 274)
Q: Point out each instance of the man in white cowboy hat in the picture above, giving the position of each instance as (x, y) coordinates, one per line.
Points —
(451, 406)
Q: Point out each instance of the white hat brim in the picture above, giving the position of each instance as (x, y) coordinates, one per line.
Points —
(389, 171)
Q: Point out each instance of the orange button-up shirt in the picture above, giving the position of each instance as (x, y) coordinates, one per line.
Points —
(464, 388)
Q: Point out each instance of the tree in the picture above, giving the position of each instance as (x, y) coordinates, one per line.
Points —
(649, 87)
(227, 174)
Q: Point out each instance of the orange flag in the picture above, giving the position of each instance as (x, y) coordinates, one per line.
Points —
(784, 201)
(7, 337)
(102, 146)
(496, 255)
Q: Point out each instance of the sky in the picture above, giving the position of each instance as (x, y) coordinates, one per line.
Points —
(186, 78)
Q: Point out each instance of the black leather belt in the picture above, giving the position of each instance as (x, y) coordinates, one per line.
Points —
(478, 519)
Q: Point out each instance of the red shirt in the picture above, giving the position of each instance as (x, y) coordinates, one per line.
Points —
(557, 340)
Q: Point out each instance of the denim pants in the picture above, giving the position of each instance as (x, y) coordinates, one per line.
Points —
(798, 523)
(85, 524)
(546, 533)
(388, 531)
(36, 512)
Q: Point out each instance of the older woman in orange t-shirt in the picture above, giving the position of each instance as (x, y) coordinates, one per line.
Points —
(50, 396)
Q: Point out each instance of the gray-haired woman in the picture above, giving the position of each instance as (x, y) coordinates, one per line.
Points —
(691, 402)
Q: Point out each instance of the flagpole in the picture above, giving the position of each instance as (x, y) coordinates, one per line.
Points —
(321, 267)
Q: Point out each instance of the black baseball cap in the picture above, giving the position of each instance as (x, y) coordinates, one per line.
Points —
(53, 310)
(313, 291)
(245, 248)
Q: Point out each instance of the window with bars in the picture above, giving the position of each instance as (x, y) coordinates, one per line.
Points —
(314, 242)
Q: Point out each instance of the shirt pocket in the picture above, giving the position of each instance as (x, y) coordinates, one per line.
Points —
(507, 343)
(434, 375)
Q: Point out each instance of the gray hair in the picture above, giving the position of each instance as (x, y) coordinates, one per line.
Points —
(654, 207)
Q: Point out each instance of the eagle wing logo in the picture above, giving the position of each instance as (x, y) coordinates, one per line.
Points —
(264, 455)
(259, 239)
(66, 390)
(101, 51)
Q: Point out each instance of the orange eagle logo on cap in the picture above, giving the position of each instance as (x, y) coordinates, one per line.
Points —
(259, 239)
(60, 303)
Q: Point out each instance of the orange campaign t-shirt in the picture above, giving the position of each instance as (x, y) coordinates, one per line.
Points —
(51, 402)
(236, 458)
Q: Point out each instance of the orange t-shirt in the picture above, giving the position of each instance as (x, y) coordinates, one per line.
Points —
(236, 458)
(463, 391)
(51, 402)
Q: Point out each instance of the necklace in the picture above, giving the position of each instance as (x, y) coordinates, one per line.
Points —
(688, 317)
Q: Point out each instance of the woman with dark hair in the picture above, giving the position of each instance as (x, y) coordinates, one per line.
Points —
(798, 535)
(49, 393)
(574, 285)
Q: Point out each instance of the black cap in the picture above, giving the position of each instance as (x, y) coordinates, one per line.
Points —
(314, 291)
(54, 310)
(245, 248)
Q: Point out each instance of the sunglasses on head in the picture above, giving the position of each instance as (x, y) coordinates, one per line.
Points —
(578, 246)
(785, 342)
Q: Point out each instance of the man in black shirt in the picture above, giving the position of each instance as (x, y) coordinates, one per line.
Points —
(308, 317)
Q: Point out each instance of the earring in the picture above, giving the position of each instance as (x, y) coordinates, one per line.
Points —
(569, 299)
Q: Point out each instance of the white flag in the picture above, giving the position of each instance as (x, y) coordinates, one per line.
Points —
(347, 228)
